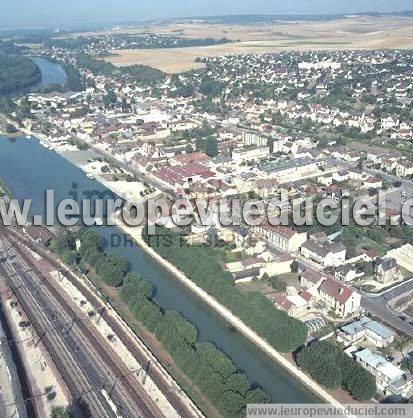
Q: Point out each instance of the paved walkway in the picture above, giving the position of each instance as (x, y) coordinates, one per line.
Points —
(136, 234)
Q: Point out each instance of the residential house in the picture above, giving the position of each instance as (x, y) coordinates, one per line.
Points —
(373, 183)
(365, 329)
(295, 304)
(347, 273)
(323, 251)
(341, 299)
(269, 262)
(337, 296)
(404, 168)
(390, 379)
(281, 237)
(386, 270)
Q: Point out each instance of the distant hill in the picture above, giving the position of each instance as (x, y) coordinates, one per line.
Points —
(255, 19)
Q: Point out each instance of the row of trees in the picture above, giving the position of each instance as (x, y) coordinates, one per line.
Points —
(208, 367)
(201, 264)
(327, 363)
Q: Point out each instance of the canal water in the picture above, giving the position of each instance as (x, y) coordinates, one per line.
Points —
(30, 169)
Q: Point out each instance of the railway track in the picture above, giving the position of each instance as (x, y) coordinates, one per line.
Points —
(77, 382)
(158, 376)
(103, 367)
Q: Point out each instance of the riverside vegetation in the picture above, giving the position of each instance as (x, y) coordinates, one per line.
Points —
(207, 366)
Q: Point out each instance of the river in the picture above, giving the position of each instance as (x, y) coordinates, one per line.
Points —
(29, 169)
(51, 73)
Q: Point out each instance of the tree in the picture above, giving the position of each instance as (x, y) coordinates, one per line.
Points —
(60, 412)
(278, 284)
(358, 381)
(237, 382)
(330, 366)
(112, 269)
(257, 396)
(62, 242)
(210, 87)
(211, 147)
(69, 257)
(17, 73)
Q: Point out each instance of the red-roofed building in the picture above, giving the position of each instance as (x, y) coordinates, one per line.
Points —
(281, 302)
(341, 299)
(294, 305)
(183, 176)
(194, 157)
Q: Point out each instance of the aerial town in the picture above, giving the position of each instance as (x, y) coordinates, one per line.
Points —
(331, 124)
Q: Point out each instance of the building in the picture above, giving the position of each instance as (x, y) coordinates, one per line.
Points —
(324, 251)
(252, 138)
(249, 154)
(337, 296)
(270, 263)
(389, 122)
(342, 300)
(347, 273)
(386, 270)
(281, 237)
(40, 234)
(373, 183)
(295, 168)
(390, 379)
(404, 168)
(365, 329)
(294, 305)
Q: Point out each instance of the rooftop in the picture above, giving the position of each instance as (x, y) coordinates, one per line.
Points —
(379, 363)
(367, 323)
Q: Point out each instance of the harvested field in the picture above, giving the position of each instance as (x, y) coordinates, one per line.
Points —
(354, 33)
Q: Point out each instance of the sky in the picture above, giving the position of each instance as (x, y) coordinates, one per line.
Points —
(60, 12)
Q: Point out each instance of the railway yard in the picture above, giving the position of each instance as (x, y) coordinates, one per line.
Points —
(107, 371)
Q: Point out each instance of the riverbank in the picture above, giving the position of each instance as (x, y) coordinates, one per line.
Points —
(4, 190)
(9, 135)
(136, 234)
(89, 161)
(170, 293)
(222, 311)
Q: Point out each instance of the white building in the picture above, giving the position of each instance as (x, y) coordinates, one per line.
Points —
(281, 237)
(248, 154)
(324, 251)
(252, 138)
(390, 379)
(365, 329)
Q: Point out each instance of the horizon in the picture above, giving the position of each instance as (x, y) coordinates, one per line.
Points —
(45, 14)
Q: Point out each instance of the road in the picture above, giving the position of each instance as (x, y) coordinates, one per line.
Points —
(151, 180)
(380, 306)
(394, 197)
(84, 360)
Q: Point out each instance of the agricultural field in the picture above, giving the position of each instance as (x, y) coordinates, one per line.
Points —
(358, 33)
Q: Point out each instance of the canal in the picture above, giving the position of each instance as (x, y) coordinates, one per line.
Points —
(29, 170)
